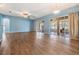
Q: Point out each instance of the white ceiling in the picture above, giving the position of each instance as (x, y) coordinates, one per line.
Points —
(35, 9)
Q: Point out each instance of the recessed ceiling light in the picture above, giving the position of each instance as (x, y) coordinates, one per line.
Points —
(56, 12)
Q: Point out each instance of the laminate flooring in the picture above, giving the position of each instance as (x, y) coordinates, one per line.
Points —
(32, 43)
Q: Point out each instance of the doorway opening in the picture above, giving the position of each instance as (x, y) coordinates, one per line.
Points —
(41, 26)
(60, 26)
(6, 25)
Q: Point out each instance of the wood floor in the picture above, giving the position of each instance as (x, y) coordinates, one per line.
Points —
(38, 44)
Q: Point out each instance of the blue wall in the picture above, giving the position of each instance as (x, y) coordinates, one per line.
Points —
(1, 28)
(18, 24)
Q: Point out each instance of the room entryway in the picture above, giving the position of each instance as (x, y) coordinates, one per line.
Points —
(60, 26)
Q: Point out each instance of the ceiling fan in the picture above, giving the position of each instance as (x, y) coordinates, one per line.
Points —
(24, 14)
